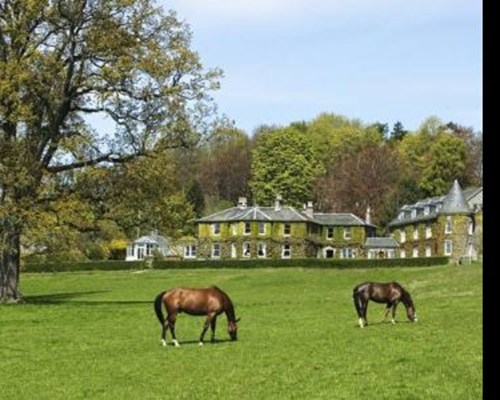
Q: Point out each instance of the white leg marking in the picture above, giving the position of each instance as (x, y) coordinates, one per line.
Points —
(415, 319)
(164, 342)
(361, 324)
(200, 344)
(176, 343)
(393, 321)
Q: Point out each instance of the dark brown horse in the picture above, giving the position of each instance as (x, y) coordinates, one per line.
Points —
(209, 301)
(390, 293)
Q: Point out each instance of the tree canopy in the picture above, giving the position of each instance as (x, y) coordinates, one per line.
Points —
(62, 61)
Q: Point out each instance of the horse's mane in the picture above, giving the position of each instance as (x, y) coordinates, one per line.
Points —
(406, 298)
(228, 304)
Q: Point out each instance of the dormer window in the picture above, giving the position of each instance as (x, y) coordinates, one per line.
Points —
(414, 213)
(426, 210)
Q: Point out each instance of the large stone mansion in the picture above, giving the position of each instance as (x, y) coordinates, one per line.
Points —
(448, 225)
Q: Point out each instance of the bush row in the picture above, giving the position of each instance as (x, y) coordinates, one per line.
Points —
(113, 265)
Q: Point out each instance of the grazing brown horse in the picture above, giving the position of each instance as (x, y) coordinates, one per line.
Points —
(390, 293)
(208, 301)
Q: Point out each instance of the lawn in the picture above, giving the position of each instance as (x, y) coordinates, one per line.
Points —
(94, 335)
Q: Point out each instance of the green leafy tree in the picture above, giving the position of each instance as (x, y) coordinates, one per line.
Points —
(64, 60)
(283, 163)
(398, 132)
(446, 161)
(195, 196)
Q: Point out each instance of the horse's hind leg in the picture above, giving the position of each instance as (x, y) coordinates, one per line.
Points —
(164, 329)
(387, 310)
(364, 309)
(171, 318)
(358, 304)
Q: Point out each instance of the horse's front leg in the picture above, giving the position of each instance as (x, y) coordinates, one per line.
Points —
(207, 323)
(213, 325)
(394, 312)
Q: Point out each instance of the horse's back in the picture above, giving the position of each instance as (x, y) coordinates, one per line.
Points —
(194, 301)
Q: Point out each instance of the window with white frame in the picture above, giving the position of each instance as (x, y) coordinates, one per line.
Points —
(471, 228)
(346, 252)
(415, 232)
(233, 251)
(286, 251)
(234, 229)
(415, 252)
(287, 229)
(215, 250)
(403, 236)
(402, 253)
(216, 228)
(329, 232)
(248, 228)
(448, 247)
(262, 228)
(428, 251)
(347, 233)
(428, 231)
(390, 253)
(426, 210)
(414, 213)
(448, 227)
(190, 251)
(261, 250)
(246, 249)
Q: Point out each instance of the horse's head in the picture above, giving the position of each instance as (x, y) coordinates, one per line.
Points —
(232, 329)
(412, 314)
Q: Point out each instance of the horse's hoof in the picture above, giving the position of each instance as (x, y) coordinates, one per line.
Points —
(393, 322)
(200, 344)
(164, 343)
(176, 343)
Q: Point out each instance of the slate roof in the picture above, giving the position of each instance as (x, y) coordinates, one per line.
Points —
(255, 213)
(283, 214)
(381, 243)
(152, 239)
(455, 202)
(342, 219)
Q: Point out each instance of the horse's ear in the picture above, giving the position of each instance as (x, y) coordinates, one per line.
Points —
(238, 319)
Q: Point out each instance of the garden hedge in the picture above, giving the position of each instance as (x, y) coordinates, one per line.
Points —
(113, 265)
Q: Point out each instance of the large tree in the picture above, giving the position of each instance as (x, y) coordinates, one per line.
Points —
(284, 163)
(62, 60)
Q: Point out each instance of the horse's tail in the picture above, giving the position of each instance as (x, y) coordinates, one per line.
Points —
(159, 314)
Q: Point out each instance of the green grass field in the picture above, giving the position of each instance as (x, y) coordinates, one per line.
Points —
(94, 335)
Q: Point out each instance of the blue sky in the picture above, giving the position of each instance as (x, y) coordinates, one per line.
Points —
(376, 60)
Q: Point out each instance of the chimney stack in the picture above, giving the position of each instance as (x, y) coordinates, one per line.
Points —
(309, 209)
(368, 217)
(242, 202)
(277, 204)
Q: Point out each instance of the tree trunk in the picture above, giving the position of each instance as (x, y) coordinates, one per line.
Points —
(10, 263)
